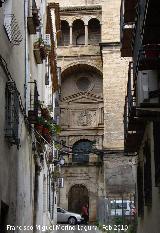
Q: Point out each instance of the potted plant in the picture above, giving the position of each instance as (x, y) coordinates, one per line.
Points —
(39, 43)
(40, 46)
(46, 131)
(39, 125)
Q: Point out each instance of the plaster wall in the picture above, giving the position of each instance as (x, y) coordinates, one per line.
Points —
(16, 176)
(17, 165)
(149, 222)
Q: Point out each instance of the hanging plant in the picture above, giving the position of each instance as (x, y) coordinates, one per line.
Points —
(39, 124)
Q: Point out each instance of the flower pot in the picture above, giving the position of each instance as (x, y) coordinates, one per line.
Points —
(39, 128)
(45, 131)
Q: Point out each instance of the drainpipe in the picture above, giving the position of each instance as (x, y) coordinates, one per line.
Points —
(26, 52)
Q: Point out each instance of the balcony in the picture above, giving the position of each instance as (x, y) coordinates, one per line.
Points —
(149, 57)
(128, 12)
(133, 125)
(40, 51)
(151, 24)
(146, 36)
(133, 129)
(33, 20)
(34, 103)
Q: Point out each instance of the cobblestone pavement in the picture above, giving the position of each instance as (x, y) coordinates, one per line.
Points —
(64, 228)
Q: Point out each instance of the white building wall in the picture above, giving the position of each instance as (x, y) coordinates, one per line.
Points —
(17, 166)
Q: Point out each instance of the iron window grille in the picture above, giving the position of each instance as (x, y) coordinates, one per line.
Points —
(12, 113)
(12, 29)
(81, 151)
(34, 104)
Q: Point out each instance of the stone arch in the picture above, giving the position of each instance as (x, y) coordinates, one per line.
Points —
(94, 31)
(73, 140)
(68, 19)
(77, 18)
(78, 32)
(81, 66)
(78, 195)
(98, 17)
(65, 33)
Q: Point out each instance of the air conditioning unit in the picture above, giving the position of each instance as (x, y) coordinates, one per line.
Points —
(47, 41)
(60, 182)
(147, 82)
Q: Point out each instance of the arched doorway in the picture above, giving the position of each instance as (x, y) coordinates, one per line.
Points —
(77, 197)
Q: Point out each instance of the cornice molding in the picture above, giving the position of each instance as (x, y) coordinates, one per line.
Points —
(80, 8)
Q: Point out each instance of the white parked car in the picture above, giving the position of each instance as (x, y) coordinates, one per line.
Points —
(64, 216)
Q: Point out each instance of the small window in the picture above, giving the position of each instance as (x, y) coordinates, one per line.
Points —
(12, 113)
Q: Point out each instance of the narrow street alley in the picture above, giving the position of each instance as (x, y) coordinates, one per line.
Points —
(80, 116)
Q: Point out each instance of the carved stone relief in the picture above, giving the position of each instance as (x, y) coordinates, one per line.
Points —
(83, 118)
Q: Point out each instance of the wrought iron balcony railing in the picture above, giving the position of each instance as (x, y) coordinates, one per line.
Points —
(34, 103)
(133, 127)
(12, 29)
(149, 57)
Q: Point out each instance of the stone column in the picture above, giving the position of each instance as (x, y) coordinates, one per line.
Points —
(101, 32)
(71, 34)
(86, 34)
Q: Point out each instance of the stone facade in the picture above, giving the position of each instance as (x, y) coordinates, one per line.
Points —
(97, 112)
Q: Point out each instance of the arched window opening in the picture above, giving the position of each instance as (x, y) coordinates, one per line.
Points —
(78, 32)
(94, 31)
(65, 33)
(81, 151)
